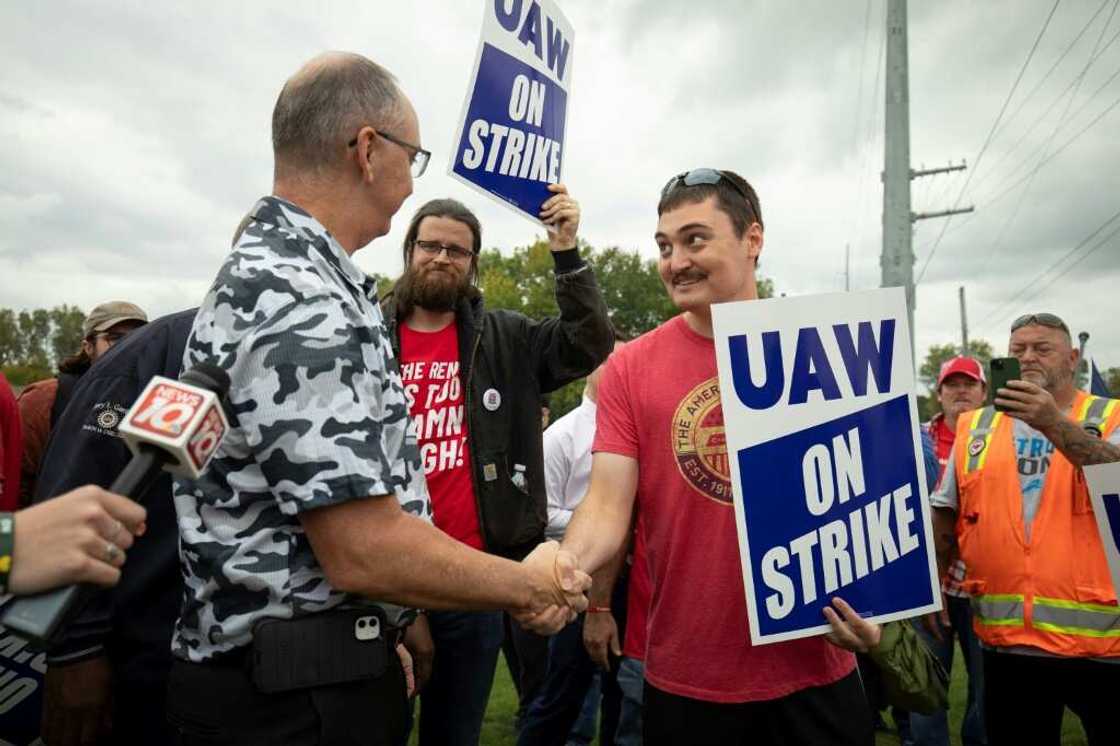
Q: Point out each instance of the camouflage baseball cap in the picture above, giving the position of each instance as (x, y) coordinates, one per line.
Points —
(110, 314)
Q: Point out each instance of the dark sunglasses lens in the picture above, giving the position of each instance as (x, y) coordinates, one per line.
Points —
(702, 176)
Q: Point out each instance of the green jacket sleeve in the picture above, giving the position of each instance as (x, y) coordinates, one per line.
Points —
(912, 677)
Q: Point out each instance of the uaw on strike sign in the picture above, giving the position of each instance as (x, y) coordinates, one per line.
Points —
(825, 455)
(510, 143)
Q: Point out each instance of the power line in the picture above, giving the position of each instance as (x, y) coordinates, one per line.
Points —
(1041, 275)
(1053, 134)
(1057, 152)
(1078, 260)
(1057, 62)
(988, 140)
(1042, 117)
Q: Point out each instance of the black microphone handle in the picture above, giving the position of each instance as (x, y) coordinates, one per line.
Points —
(39, 617)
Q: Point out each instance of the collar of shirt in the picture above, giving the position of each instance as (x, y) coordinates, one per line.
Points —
(289, 216)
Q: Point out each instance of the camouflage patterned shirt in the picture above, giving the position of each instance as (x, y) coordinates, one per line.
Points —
(318, 417)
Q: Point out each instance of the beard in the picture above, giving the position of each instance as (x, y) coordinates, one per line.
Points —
(432, 288)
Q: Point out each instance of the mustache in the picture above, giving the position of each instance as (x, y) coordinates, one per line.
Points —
(687, 275)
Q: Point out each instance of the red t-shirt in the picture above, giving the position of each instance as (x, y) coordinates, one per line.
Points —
(659, 403)
(434, 388)
(11, 447)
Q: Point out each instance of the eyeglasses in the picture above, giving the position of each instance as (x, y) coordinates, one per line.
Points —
(419, 159)
(699, 176)
(110, 337)
(433, 248)
(1042, 319)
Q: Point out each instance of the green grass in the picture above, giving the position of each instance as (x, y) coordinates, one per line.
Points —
(497, 729)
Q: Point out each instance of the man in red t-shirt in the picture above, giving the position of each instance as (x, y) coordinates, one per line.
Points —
(473, 379)
(660, 440)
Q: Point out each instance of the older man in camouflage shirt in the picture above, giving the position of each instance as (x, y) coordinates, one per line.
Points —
(315, 505)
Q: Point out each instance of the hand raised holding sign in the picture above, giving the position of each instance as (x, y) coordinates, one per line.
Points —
(560, 214)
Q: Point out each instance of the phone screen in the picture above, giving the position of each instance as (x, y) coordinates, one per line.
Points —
(1001, 370)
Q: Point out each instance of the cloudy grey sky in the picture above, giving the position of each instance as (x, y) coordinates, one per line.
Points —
(134, 135)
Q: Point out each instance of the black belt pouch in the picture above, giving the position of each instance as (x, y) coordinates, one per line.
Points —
(333, 647)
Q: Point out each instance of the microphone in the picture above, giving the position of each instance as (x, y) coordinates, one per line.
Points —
(173, 426)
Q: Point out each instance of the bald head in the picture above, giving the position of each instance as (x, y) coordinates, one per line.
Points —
(324, 105)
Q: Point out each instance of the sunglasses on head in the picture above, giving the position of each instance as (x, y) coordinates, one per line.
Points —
(1041, 319)
(712, 176)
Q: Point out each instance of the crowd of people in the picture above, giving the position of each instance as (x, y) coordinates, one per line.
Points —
(389, 509)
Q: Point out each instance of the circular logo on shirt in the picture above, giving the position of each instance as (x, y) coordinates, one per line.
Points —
(491, 399)
(108, 419)
(976, 446)
(699, 442)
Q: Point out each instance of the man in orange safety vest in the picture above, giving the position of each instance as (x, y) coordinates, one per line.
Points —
(1013, 503)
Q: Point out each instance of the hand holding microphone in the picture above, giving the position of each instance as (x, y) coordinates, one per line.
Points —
(174, 426)
(78, 537)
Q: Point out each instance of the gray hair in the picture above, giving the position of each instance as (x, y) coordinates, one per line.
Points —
(324, 105)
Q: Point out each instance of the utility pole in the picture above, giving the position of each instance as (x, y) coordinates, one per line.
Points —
(964, 325)
(897, 260)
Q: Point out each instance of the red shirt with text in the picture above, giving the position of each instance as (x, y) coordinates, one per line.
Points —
(434, 388)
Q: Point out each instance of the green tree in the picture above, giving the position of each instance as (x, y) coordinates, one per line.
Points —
(11, 341)
(35, 331)
(1112, 380)
(66, 337)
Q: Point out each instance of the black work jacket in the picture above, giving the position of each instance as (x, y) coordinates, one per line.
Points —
(519, 358)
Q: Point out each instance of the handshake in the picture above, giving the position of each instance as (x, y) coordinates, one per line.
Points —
(557, 590)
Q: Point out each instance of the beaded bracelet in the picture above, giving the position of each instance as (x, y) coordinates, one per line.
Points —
(7, 548)
(598, 610)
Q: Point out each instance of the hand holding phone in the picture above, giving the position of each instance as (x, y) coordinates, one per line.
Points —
(1000, 371)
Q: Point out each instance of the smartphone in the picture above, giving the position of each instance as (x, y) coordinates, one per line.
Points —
(1000, 371)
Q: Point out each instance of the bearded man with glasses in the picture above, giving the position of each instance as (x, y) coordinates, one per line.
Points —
(473, 379)
(1014, 506)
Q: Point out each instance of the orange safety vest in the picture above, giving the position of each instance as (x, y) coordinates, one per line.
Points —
(1053, 592)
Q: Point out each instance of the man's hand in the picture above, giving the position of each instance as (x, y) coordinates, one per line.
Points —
(852, 632)
(409, 671)
(600, 637)
(557, 589)
(1030, 403)
(418, 641)
(561, 214)
(76, 704)
(936, 621)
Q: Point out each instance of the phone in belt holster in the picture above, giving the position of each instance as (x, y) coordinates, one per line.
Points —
(332, 647)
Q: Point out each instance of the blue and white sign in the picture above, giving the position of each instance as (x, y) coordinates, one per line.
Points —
(22, 671)
(1104, 493)
(826, 464)
(510, 141)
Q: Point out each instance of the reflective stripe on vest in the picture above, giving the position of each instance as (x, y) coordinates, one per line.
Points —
(1095, 411)
(999, 609)
(980, 430)
(1072, 618)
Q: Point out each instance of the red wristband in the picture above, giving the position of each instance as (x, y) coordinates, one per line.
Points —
(598, 610)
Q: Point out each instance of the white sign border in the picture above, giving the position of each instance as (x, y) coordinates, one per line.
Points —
(457, 135)
(902, 344)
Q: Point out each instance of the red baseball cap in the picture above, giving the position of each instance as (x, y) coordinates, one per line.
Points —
(969, 366)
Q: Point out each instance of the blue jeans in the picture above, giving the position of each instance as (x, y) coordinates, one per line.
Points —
(933, 730)
(453, 702)
(557, 706)
(630, 680)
